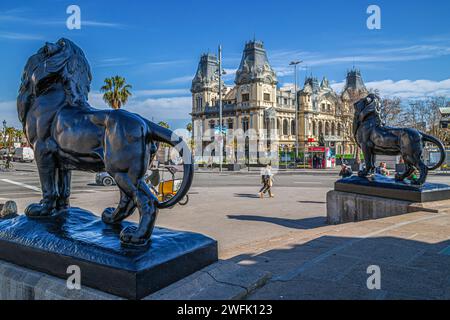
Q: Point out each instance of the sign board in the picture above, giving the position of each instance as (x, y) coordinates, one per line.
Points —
(316, 149)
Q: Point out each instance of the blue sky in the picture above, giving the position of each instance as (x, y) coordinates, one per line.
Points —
(156, 44)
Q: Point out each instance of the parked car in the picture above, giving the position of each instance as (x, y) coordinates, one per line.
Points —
(3, 153)
(104, 179)
(25, 154)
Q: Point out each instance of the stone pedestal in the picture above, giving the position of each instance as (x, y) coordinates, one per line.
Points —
(77, 237)
(345, 207)
(356, 199)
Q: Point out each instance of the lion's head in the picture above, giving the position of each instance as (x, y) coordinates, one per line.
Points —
(367, 106)
(62, 62)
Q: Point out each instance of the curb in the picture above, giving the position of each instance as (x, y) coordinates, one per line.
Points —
(223, 280)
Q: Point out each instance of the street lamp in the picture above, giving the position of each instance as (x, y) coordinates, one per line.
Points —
(221, 72)
(4, 133)
(295, 63)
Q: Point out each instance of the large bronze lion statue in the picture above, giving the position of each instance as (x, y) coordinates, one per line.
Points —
(373, 137)
(67, 134)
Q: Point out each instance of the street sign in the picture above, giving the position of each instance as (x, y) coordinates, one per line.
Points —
(217, 130)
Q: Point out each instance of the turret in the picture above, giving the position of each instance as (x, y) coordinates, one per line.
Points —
(255, 66)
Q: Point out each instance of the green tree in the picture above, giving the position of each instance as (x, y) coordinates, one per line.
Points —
(164, 124)
(116, 91)
(189, 127)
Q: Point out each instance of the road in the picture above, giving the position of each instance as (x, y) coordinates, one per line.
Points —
(224, 206)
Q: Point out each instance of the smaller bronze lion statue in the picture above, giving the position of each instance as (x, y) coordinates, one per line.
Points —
(373, 137)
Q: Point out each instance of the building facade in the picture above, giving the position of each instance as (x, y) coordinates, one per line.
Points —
(257, 102)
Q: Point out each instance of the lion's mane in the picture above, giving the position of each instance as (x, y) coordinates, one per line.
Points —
(68, 65)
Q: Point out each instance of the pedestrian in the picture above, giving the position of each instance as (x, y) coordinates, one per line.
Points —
(382, 169)
(346, 171)
(267, 181)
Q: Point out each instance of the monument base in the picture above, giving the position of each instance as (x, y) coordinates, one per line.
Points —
(343, 207)
(77, 237)
(385, 187)
(357, 199)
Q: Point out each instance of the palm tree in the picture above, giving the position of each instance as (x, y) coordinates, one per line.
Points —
(164, 124)
(116, 92)
(189, 127)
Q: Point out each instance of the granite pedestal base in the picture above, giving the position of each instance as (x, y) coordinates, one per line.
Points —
(77, 237)
(385, 187)
(357, 199)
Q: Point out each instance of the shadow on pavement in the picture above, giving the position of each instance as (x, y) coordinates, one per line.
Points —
(309, 201)
(303, 224)
(336, 268)
(246, 195)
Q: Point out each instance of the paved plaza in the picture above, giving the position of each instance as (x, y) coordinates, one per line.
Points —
(287, 237)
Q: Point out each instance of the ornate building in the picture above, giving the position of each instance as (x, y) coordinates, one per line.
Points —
(324, 113)
(256, 102)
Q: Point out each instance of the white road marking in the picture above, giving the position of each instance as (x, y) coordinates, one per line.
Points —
(27, 186)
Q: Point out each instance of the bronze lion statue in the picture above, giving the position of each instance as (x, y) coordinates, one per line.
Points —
(68, 134)
(373, 137)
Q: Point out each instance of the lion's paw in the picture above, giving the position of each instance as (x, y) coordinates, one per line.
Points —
(38, 210)
(132, 238)
(107, 216)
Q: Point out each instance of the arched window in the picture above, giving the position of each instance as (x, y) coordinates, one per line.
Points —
(199, 103)
(293, 131)
(279, 127)
(314, 128)
(339, 129)
(327, 129)
(320, 128)
(285, 127)
(333, 129)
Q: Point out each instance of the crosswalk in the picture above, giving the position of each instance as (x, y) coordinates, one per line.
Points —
(16, 185)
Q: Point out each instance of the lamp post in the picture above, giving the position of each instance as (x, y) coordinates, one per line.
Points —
(4, 133)
(295, 63)
(221, 73)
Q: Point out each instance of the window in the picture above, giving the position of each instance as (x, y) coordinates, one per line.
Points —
(245, 124)
(245, 97)
(285, 127)
(230, 124)
(199, 104)
(285, 101)
(212, 124)
(266, 96)
(323, 106)
(293, 127)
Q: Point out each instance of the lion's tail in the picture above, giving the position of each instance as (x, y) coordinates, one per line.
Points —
(158, 133)
(438, 143)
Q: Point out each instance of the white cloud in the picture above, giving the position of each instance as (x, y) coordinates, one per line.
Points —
(160, 92)
(15, 16)
(280, 58)
(112, 62)
(19, 36)
(161, 108)
(406, 89)
(179, 80)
